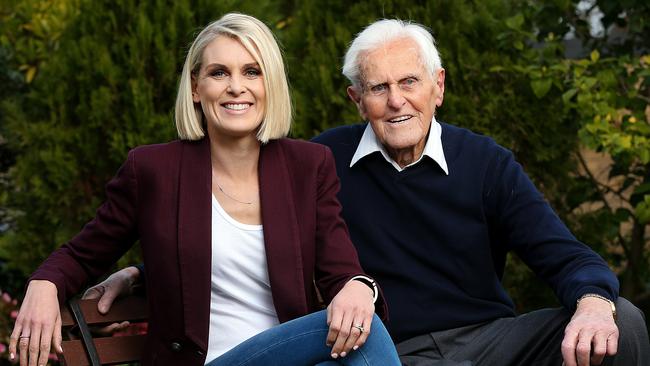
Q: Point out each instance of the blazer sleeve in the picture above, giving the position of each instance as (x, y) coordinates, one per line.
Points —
(101, 242)
(336, 258)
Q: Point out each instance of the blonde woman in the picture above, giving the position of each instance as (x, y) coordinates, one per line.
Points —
(238, 225)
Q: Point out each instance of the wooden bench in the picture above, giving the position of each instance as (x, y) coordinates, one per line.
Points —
(78, 315)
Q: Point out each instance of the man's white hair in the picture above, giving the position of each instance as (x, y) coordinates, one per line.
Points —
(385, 31)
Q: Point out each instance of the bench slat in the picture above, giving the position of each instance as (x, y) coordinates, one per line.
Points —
(112, 350)
(131, 308)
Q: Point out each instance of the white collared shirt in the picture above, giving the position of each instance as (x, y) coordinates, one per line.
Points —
(432, 148)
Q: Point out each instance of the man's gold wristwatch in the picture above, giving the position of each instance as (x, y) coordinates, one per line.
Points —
(611, 303)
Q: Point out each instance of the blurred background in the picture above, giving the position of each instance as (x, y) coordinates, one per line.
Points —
(563, 83)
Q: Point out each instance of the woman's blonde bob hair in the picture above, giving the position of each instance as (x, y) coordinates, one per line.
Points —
(260, 42)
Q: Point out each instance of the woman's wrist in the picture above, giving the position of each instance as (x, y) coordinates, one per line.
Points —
(368, 281)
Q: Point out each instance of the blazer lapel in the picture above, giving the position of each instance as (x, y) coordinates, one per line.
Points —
(194, 239)
(281, 235)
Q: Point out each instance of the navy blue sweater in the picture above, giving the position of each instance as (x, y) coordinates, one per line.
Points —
(437, 244)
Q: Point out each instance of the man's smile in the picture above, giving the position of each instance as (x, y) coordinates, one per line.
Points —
(399, 119)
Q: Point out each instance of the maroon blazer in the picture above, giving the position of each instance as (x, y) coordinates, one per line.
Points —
(162, 197)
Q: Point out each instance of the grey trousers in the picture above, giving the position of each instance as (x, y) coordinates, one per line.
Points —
(529, 339)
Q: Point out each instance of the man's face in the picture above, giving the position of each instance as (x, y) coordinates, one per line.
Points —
(398, 97)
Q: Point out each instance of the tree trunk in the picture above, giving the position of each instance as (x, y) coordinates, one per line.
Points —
(632, 287)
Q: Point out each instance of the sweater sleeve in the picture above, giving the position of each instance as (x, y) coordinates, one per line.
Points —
(526, 224)
(101, 242)
(336, 258)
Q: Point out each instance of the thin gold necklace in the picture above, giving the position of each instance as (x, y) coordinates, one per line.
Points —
(226, 194)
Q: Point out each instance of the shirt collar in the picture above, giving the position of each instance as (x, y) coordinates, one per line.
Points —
(432, 148)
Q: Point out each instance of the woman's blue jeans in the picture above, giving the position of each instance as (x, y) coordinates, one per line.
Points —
(302, 342)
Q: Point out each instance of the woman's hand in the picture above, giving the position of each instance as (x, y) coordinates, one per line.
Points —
(38, 325)
(349, 316)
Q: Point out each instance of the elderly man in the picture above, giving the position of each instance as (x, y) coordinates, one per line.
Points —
(433, 210)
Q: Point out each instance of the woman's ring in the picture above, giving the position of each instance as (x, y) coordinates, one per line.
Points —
(360, 327)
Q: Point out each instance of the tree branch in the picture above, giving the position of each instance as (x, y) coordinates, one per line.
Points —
(602, 193)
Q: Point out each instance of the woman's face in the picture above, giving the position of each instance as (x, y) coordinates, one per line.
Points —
(230, 88)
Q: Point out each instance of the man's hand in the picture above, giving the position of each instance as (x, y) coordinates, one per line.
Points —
(591, 334)
(120, 283)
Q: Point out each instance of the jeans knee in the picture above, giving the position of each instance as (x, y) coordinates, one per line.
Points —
(378, 327)
(376, 319)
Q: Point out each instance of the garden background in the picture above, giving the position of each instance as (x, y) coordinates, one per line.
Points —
(562, 83)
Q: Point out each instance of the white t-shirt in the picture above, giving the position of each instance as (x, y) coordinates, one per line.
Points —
(241, 305)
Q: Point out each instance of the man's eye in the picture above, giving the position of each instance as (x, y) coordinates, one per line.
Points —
(409, 81)
(378, 88)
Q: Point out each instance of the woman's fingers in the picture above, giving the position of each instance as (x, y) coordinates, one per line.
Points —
(343, 334)
(56, 339)
(334, 322)
(356, 331)
(351, 313)
(47, 335)
(23, 349)
(34, 344)
(37, 321)
(14, 339)
(22, 337)
(367, 324)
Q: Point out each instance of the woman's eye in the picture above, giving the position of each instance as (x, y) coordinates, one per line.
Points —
(253, 72)
(218, 73)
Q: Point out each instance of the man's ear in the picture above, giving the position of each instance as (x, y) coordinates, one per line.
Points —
(195, 94)
(440, 83)
(355, 96)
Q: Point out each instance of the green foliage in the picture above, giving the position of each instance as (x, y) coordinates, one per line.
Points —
(608, 98)
(612, 100)
(31, 29)
(29, 32)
